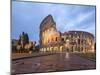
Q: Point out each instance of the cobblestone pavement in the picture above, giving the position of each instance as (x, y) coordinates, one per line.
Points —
(51, 63)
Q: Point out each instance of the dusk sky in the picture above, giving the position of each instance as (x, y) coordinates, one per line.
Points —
(27, 16)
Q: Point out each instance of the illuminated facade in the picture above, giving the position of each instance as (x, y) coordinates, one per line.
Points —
(78, 41)
(54, 41)
(50, 38)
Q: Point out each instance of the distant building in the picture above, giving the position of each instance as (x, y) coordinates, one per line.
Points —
(23, 45)
(72, 41)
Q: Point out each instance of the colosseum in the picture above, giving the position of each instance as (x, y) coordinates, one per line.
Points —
(52, 40)
(78, 41)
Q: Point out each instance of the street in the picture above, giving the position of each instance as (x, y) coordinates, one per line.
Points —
(52, 63)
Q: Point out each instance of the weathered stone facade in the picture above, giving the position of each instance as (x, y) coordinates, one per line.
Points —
(78, 41)
(50, 38)
(72, 41)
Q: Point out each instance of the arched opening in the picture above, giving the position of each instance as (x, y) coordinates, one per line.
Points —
(61, 48)
(56, 38)
(48, 49)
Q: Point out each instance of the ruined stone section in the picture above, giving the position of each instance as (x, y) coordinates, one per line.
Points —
(48, 31)
(50, 38)
(79, 41)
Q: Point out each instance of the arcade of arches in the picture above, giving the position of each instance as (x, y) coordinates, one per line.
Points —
(51, 40)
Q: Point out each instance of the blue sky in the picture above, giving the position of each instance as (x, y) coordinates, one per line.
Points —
(27, 16)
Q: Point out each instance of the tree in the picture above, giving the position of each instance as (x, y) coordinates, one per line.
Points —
(26, 38)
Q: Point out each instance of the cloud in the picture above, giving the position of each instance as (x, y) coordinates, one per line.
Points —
(79, 20)
(27, 16)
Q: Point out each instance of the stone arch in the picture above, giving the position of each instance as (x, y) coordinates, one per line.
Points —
(48, 49)
(44, 49)
(61, 48)
(55, 48)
